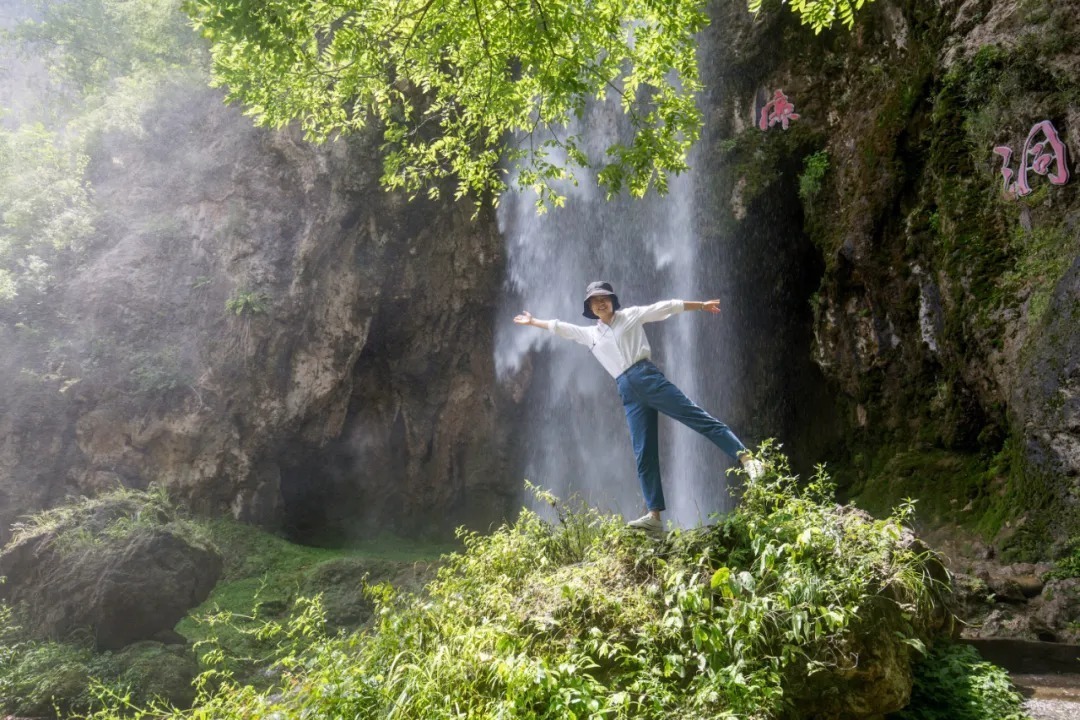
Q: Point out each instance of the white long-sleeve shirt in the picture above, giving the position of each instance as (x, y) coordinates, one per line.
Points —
(623, 343)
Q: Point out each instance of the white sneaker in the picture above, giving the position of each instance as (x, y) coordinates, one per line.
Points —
(647, 523)
(754, 469)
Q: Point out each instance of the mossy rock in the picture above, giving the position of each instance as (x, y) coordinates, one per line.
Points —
(155, 670)
(48, 677)
(341, 583)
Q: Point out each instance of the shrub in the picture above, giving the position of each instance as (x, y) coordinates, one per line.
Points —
(247, 302)
(585, 618)
(814, 169)
(1069, 565)
(954, 683)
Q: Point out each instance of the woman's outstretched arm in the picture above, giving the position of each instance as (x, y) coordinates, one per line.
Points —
(712, 306)
(666, 308)
(526, 318)
(562, 329)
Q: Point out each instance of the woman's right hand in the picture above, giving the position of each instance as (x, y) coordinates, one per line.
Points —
(525, 318)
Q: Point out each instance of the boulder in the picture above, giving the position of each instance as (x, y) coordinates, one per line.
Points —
(122, 590)
(1056, 612)
(341, 581)
(159, 671)
(878, 683)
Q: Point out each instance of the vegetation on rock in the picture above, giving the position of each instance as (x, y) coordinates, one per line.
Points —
(944, 311)
(262, 585)
(758, 615)
(118, 569)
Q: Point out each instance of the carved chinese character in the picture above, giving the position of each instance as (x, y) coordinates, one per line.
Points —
(1046, 157)
(777, 110)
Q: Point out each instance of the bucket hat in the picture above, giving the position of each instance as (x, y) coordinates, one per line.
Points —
(599, 288)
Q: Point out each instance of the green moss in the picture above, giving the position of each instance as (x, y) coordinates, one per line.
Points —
(154, 670)
(948, 487)
(1041, 258)
(264, 575)
(997, 497)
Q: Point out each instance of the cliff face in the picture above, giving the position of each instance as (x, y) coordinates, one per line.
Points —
(263, 329)
(946, 312)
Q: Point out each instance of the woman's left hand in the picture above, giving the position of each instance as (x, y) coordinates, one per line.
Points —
(712, 306)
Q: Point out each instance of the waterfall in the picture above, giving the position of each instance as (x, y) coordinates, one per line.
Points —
(574, 437)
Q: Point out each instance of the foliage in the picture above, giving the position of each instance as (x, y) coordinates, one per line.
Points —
(87, 45)
(247, 302)
(45, 205)
(820, 14)
(253, 617)
(35, 677)
(46, 679)
(41, 676)
(1069, 565)
(954, 683)
(585, 618)
(105, 61)
(814, 169)
(458, 86)
(262, 582)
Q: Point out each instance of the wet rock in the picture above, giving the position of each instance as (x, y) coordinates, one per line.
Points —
(1056, 612)
(1004, 622)
(349, 390)
(341, 583)
(878, 684)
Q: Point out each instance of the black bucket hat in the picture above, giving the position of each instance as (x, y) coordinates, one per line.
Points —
(599, 288)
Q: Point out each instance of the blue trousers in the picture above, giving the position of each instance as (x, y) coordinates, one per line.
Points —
(645, 391)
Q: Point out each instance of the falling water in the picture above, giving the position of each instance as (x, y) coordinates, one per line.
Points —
(574, 437)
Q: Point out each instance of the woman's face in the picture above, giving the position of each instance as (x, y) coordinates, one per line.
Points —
(601, 307)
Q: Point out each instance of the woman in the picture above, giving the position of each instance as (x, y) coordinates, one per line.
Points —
(618, 341)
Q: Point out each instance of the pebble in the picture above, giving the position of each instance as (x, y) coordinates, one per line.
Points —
(1052, 709)
(1050, 697)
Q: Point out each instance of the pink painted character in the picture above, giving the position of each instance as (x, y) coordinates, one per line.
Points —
(1046, 157)
(1008, 187)
(777, 110)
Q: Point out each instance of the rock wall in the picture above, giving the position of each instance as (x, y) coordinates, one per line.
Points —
(262, 328)
(945, 318)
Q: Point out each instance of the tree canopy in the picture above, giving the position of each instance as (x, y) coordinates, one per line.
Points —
(95, 66)
(458, 85)
(486, 92)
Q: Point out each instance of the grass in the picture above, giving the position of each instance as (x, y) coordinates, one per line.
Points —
(264, 576)
(764, 614)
